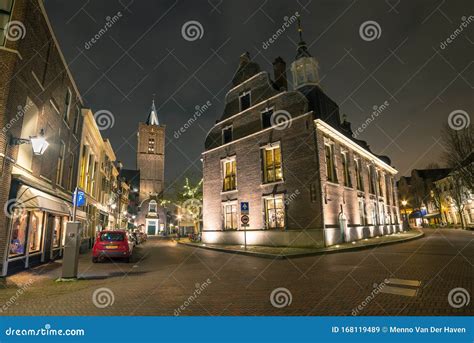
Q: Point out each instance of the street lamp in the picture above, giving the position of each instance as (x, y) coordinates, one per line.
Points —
(404, 204)
(38, 143)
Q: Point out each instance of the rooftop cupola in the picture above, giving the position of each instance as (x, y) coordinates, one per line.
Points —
(305, 67)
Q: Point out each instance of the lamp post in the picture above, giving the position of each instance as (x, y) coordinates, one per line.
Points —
(404, 204)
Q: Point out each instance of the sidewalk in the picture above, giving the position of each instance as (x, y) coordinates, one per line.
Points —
(289, 252)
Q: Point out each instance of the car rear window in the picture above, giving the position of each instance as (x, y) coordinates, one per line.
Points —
(111, 236)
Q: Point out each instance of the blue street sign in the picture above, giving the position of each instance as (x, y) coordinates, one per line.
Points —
(244, 207)
(80, 198)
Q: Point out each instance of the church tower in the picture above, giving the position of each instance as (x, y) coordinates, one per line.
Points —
(151, 156)
(305, 67)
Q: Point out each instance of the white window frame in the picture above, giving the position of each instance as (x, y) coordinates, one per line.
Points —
(232, 133)
(224, 213)
(244, 93)
(274, 197)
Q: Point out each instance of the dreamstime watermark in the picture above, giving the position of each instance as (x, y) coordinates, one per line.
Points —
(19, 292)
(44, 331)
(377, 289)
(193, 207)
(459, 297)
(281, 297)
(464, 24)
(192, 30)
(200, 287)
(377, 110)
(103, 297)
(292, 196)
(281, 119)
(104, 119)
(459, 120)
(288, 21)
(21, 110)
(199, 110)
(110, 21)
(370, 30)
(13, 207)
(14, 30)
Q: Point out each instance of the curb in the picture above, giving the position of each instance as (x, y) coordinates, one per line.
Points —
(305, 254)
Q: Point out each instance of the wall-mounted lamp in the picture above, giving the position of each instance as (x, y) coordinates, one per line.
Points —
(38, 143)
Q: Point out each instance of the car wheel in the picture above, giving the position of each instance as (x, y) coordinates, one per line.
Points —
(95, 259)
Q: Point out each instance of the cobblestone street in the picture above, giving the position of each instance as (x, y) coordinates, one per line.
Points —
(163, 279)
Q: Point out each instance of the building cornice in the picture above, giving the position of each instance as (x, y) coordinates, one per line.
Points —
(336, 135)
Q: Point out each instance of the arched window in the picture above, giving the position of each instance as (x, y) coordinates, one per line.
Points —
(152, 206)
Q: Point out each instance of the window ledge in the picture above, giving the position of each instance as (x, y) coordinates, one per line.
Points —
(332, 183)
(272, 183)
(229, 191)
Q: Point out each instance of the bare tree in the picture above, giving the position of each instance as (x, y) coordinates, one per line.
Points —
(459, 152)
(459, 195)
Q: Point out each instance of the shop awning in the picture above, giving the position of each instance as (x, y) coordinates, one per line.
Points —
(33, 199)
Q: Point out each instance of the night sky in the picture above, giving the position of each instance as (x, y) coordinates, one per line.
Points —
(144, 53)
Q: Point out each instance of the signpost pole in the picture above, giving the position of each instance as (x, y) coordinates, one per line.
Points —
(74, 205)
(245, 236)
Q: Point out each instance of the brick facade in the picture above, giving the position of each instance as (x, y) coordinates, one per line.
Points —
(34, 84)
(314, 209)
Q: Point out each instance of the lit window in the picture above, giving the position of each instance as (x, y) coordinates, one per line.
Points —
(229, 171)
(358, 168)
(35, 231)
(18, 235)
(272, 164)
(274, 213)
(330, 163)
(230, 217)
(244, 99)
(227, 135)
(345, 168)
(152, 206)
(267, 118)
(151, 145)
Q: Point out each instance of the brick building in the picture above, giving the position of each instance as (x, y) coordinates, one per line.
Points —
(38, 98)
(286, 152)
(150, 215)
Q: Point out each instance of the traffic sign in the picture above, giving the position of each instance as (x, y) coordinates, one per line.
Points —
(244, 219)
(244, 207)
(79, 198)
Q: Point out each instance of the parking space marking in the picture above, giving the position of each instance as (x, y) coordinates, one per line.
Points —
(414, 283)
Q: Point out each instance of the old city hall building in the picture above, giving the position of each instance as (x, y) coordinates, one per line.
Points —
(287, 153)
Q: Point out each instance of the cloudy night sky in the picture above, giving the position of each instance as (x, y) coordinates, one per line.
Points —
(144, 53)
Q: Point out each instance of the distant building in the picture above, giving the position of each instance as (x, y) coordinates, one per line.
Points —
(416, 190)
(286, 152)
(151, 216)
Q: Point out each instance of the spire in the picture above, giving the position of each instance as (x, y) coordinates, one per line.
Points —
(153, 116)
(302, 50)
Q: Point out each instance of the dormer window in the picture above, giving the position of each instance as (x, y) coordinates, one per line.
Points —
(227, 135)
(152, 206)
(244, 99)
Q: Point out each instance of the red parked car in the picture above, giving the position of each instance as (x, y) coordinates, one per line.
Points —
(112, 244)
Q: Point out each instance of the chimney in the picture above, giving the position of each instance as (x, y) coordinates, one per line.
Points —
(279, 72)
